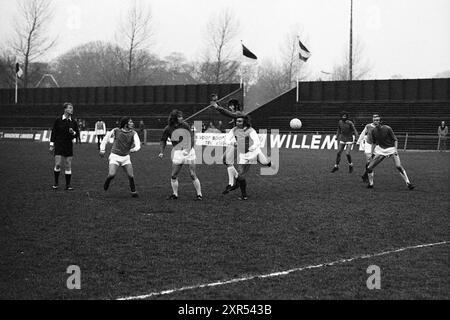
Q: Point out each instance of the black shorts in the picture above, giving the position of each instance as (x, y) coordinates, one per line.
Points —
(64, 150)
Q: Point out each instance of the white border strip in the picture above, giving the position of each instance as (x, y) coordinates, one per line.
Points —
(280, 273)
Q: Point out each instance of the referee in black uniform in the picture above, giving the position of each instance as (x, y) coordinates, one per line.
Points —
(65, 129)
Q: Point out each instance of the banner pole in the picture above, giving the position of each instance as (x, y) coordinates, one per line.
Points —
(15, 94)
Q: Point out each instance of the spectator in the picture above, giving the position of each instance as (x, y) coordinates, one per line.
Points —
(141, 130)
(80, 127)
(442, 133)
(212, 128)
(220, 126)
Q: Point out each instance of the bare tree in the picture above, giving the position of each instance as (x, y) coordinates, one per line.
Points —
(270, 83)
(7, 69)
(361, 66)
(32, 39)
(218, 65)
(179, 70)
(291, 65)
(97, 63)
(91, 64)
(134, 36)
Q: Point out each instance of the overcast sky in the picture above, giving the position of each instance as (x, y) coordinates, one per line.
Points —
(407, 37)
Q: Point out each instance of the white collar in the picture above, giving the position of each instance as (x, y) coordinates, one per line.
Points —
(64, 117)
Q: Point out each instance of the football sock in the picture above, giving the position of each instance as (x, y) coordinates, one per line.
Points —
(174, 183)
(370, 175)
(338, 159)
(230, 171)
(404, 175)
(243, 186)
(264, 160)
(107, 182)
(365, 172)
(236, 174)
(349, 159)
(132, 186)
(68, 174)
(56, 175)
(197, 186)
(232, 174)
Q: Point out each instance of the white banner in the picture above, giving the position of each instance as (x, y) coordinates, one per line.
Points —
(17, 135)
(217, 139)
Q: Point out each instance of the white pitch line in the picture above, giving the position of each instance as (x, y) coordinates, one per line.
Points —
(280, 273)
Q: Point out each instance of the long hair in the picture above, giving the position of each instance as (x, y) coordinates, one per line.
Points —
(246, 117)
(236, 103)
(124, 121)
(172, 120)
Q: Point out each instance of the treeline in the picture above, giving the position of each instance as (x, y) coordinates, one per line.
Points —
(129, 59)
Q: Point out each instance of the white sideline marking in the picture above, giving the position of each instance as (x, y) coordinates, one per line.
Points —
(280, 273)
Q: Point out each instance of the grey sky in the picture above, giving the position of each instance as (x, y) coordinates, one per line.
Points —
(407, 37)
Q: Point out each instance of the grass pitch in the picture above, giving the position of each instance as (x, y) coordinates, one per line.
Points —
(302, 216)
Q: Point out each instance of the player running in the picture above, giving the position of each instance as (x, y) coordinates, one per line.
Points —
(364, 140)
(346, 137)
(184, 153)
(384, 145)
(233, 111)
(126, 141)
(65, 129)
(245, 139)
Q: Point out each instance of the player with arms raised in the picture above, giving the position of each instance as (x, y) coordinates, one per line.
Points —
(183, 153)
(126, 141)
(384, 145)
(233, 111)
(345, 131)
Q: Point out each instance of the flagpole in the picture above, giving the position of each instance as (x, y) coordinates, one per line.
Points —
(241, 81)
(15, 95)
(296, 84)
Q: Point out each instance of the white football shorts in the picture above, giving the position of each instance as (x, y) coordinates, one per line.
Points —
(250, 157)
(178, 157)
(367, 147)
(387, 152)
(119, 160)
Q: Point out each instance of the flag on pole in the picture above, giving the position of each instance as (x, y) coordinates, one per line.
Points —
(19, 71)
(248, 53)
(304, 53)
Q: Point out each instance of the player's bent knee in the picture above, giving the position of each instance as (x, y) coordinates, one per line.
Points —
(174, 177)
